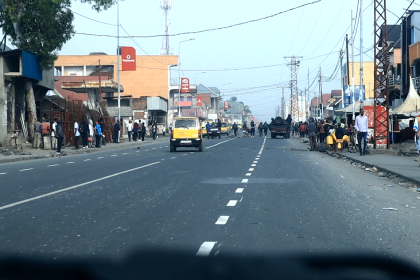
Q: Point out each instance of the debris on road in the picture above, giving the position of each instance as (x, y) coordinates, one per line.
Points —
(390, 208)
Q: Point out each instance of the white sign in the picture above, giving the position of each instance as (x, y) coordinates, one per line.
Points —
(212, 116)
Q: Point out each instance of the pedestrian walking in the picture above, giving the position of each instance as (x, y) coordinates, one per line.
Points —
(265, 128)
(235, 128)
(84, 132)
(154, 131)
(129, 130)
(208, 130)
(260, 129)
(117, 128)
(53, 139)
(312, 134)
(136, 132)
(362, 129)
(302, 129)
(98, 135)
(76, 135)
(321, 132)
(102, 125)
(252, 129)
(143, 131)
(37, 134)
(163, 131)
(59, 134)
(91, 134)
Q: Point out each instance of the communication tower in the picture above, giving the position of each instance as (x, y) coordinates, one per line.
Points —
(166, 6)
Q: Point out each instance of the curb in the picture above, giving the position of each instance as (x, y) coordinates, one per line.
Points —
(80, 152)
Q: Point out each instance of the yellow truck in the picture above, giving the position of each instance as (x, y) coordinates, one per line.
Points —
(186, 132)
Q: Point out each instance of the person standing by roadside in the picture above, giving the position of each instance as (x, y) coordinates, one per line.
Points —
(208, 130)
(260, 129)
(84, 133)
(76, 135)
(136, 131)
(321, 132)
(37, 135)
(91, 134)
(129, 130)
(53, 139)
(361, 127)
(252, 129)
(45, 126)
(163, 131)
(116, 131)
(59, 134)
(98, 135)
(143, 131)
(101, 123)
(312, 134)
(235, 128)
(302, 129)
(154, 131)
(265, 128)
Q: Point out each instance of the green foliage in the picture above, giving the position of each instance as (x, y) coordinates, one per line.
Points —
(42, 26)
(233, 99)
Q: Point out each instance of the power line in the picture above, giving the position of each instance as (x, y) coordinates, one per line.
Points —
(307, 40)
(300, 21)
(211, 29)
(92, 19)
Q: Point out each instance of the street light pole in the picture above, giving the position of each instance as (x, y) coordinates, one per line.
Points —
(179, 76)
(118, 59)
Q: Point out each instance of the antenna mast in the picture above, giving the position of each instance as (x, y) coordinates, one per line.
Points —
(166, 6)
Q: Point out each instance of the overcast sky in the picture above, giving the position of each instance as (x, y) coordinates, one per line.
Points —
(313, 32)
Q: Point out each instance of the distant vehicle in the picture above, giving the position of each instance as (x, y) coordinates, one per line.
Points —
(225, 128)
(214, 132)
(186, 132)
(279, 127)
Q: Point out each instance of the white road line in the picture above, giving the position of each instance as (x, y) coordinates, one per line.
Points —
(154, 148)
(205, 248)
(244, 181)
(125, 154)
(70, 162)
(184, 154)
(146, 150)
(3, 173)
(113, 155)
(74, 187)
(219, 143)
(232, 203)
(137, 151)
(248, 174)
(258, 156)
(173, 157)
(239, 190)
(253, 165)
(251, 169)
(26, 169)
(221, 221)
(87, 159)
(160, 147)
(52, 165)
(191, 152)
(166, 146)
(100, 157)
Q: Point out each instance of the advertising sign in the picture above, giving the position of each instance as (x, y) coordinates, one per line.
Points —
(226, 105)
(185, 85)
(243, 113)
(212, 116)
(199, 101)
(128, 57)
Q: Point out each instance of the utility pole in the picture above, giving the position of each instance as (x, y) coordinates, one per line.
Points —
(381, 84)
(308, 101)
(118, 59)
(342, 79)
(352, 65)
(283, 105)
(166, 6)
(361, 91)
(294, 93)
(321, 110)
(348, 62)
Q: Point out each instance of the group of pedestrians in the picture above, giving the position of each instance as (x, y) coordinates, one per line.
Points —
(136, 131)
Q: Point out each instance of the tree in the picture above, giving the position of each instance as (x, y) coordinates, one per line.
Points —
(233, 99)
(41, 27)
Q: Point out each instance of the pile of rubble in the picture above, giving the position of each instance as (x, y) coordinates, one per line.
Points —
(406, 148)
(11, 152)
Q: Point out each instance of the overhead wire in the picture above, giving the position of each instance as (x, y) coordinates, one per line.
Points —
(300, 21)
(313, 27)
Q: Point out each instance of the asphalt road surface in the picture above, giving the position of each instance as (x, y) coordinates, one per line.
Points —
(240, 196)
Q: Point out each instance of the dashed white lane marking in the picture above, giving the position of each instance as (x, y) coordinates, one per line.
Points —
(258, 156)
(253, 165)
(160, 147)
(52, 165)
(244, 181)
(3, 173)
(184, 154)
(70, 162)
(219, 143)
(173, 157)
(87, 159)
(154, 148)
(166, 146)
(74, 187)
(239, 190)
(205, 248)
(146, 150)
(248, 174)
(232, 203)
(26, 169)
(251, 169)
(255, 161)
(113, 155)
(221, 221)
(138, 151)
(100, 157)
(125, 153)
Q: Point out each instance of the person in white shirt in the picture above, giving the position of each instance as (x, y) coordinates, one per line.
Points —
(76, 135)
(90, 134)
(129, 130)
(53, 139)
(361, 127)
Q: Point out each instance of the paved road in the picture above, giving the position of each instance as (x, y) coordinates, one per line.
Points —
(243, 196)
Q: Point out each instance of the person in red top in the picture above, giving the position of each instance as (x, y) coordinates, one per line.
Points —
(302, 129)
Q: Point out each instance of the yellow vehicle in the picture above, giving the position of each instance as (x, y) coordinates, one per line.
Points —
(186, 132)
(225, 128)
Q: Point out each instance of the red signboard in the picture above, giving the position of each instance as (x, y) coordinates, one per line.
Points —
(243, 113)
(128, 57)
(199, 101)
(185, 85)
(226, 105)
(183, 103)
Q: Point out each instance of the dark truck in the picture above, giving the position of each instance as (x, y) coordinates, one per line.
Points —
(279, 127)
(215, 131)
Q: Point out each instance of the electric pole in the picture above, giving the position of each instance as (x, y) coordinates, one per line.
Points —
(294, 93)
(166, 6)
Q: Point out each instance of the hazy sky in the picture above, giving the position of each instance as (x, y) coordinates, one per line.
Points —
(312, 32)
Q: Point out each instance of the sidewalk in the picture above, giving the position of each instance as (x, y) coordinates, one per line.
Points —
(403, 166)
(38, 154)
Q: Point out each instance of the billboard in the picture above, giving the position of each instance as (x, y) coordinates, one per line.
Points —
(128, 57)
(348, 95)
(199, 101)
(226, 105)
(185, 85)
